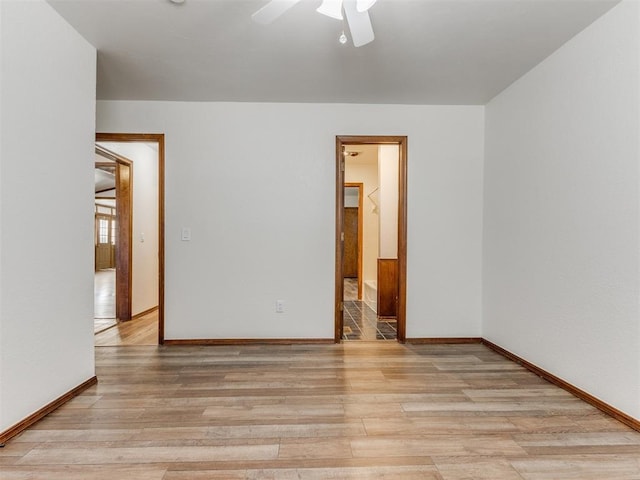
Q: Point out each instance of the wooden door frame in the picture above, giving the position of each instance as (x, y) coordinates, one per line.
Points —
(360, 187)
(124, 242)
(401, 141)
(157, 138)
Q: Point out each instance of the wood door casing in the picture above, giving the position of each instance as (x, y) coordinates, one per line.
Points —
(350, 263)
(124, 206)
(158, 139)
(402, 142)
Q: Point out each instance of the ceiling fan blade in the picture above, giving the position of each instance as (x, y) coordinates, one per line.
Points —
(272, 10)
(364, 5)
(331, 8)
(359, 24)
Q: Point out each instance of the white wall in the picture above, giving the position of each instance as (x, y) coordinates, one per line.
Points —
(364, 169)
(561, 243)
(46, 201)
(144, 268)
(388, 168)
(231, 170)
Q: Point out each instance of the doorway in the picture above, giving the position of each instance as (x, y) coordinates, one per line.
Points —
(353, 238)
(144, 267)
(112, 239)
(388, 291)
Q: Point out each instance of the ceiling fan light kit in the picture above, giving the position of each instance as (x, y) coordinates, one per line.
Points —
(355, 11)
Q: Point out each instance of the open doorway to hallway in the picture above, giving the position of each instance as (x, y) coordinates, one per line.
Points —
(111, 239)
(370, 238)
(139, 245)
(104, 233)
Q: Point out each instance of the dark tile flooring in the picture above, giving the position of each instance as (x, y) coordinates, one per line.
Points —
(361, 323)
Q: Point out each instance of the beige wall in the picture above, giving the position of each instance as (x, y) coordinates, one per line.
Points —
(388, 167)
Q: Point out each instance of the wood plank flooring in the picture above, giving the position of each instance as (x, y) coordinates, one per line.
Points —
(104, 292)
(141, 331)
(352, 411)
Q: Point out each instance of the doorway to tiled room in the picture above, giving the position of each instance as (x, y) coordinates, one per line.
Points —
(370, 247)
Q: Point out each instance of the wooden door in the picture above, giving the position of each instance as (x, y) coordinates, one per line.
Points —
(105, 248)
(350, 242)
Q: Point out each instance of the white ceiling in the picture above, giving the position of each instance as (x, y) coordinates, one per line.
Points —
(425, 51)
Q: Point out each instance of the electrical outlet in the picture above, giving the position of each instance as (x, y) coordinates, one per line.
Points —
(279, 306)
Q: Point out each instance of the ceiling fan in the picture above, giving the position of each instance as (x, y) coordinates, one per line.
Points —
(356, 11)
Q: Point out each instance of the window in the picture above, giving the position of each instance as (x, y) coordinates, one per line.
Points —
(103, 231)
(113, 231)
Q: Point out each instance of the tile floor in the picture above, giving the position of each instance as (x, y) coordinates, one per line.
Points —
(362, 323)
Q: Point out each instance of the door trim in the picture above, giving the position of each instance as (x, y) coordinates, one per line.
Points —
(360, 187)
(159, 139)
(401, 141)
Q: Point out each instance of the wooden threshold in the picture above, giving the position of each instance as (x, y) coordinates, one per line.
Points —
(46, 410)
(581, 394)
(249, 341)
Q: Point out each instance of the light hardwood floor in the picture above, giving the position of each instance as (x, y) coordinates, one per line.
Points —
(350, 411)
(141, 331)
(104, 291)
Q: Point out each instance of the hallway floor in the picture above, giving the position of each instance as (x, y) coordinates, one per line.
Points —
(104, 300)
(362, 323)
(141, 331)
